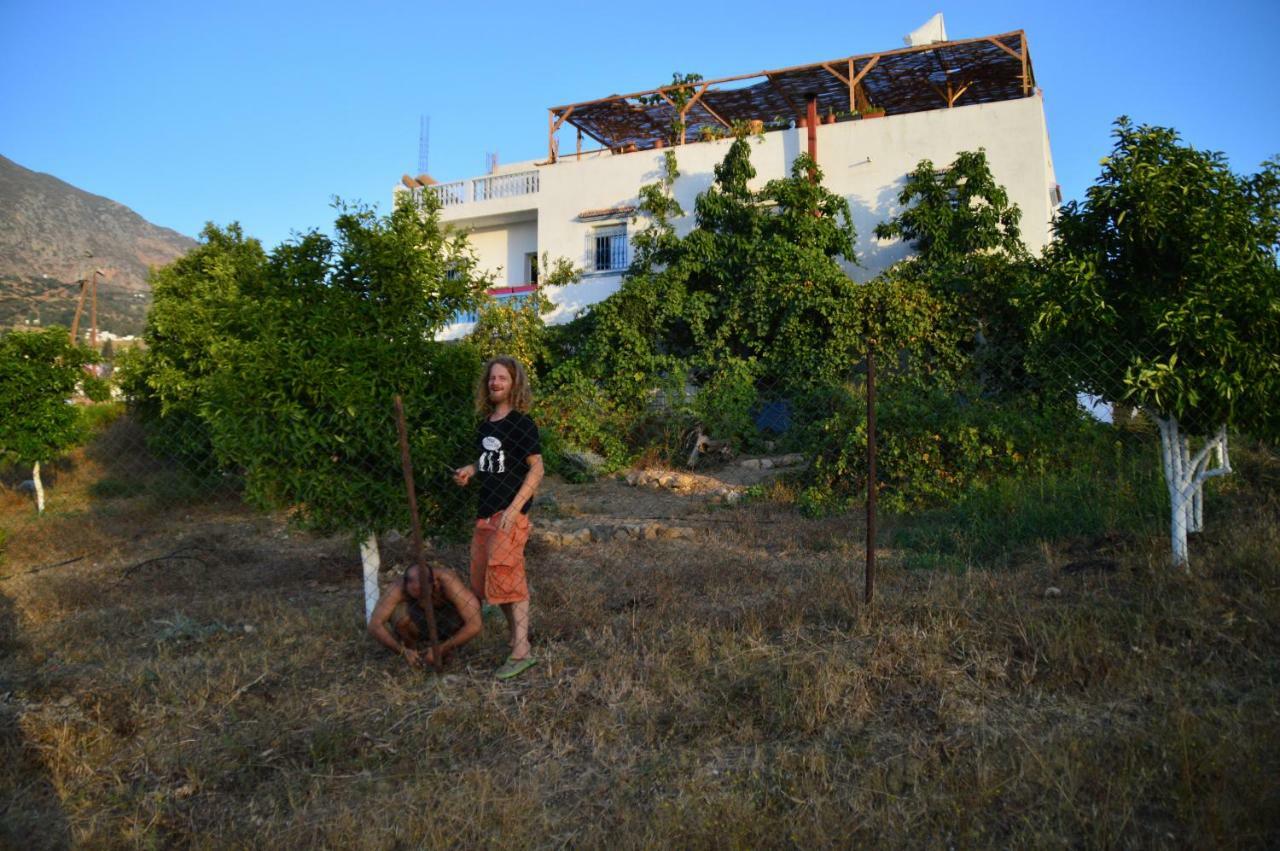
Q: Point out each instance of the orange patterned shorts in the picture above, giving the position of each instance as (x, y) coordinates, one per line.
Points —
(497, 560)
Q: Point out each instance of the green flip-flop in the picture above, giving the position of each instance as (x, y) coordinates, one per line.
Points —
(515, 667)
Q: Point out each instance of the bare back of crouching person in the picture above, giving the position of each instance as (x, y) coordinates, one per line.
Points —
(456, 610)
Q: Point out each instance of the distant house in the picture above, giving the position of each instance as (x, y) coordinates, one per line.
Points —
(581, 201)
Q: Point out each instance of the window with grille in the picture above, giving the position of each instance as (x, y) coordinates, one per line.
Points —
(607, 249)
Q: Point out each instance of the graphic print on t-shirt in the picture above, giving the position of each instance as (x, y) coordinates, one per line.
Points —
(503, 448)
(492, 459)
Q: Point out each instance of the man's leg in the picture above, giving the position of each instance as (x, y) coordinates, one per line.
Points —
(480, 544)
(518, 627)
(407, 632)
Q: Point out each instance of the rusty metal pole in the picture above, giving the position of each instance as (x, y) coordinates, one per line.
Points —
(426, 576)
(871, 470)
(811, 126)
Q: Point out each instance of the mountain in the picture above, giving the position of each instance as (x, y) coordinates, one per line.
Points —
(48, 229)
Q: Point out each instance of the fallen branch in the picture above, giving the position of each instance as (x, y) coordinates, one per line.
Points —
(180, 554)
(43, 567)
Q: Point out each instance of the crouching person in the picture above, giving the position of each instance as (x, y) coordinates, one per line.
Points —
(457, 613)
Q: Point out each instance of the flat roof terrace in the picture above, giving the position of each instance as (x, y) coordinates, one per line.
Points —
(912, 79)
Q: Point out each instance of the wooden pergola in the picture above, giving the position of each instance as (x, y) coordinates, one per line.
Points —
(912, 79)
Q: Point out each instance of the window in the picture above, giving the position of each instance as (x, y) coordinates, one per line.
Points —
(607, 249)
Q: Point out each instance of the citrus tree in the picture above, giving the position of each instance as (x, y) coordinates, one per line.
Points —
(1162, 293)
(515, 326)
(39, 372)
(194, 314)
(322, 341)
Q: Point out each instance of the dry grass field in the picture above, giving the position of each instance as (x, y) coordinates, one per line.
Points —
(198, 676)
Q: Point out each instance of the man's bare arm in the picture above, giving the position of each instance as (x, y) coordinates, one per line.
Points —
(528, 488)
(382, 613)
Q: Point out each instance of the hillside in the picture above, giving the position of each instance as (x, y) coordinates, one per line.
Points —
(48, 229)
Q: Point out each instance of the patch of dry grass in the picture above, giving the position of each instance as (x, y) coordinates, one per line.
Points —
(728, 692)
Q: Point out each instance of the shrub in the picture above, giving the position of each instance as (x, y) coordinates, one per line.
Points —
(577, 414)
(725, 405)
(933, 445)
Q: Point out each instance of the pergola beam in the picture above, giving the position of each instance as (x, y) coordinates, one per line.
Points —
(855, 82)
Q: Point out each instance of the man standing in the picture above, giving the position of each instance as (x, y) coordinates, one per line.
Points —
(509, 470)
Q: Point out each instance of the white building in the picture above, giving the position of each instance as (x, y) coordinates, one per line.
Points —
(940, 99)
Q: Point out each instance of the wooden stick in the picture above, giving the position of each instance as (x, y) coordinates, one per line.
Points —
(426, 576)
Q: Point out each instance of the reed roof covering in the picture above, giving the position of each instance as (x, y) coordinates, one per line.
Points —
(912, 79)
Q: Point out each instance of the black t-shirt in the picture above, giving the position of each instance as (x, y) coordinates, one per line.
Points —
(504, 446)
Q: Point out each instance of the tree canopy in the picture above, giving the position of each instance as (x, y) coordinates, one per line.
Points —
(758, 278)
(1162, 289)
(39, 372)
(288, 363)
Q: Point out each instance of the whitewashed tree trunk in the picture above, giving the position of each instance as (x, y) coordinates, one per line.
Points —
(372, 563)
(1185, 476)
(39, 485)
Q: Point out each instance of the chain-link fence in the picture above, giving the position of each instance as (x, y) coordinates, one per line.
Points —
(973, 468)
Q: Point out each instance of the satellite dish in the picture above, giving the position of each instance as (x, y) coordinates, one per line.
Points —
(408, 181)
(427, 180)
(932, 30)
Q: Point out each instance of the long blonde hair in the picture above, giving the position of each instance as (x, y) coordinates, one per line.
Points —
(521, 394)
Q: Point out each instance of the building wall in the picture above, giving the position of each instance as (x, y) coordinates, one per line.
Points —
(501, 250)
(865, 161)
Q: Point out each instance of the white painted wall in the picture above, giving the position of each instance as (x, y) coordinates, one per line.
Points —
(865, 161)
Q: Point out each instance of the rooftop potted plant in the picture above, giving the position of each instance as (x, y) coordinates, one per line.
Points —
(872, 111)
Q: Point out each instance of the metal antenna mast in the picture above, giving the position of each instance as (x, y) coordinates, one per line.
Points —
(424, 143)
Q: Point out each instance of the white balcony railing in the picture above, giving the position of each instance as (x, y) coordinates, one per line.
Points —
(486, 188)
(450, 194)
(505, 185)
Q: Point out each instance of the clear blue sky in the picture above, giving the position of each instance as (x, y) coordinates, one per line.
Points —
(261, 112)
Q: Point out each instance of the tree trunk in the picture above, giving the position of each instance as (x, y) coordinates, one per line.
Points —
(1185, 476)
(372, 562)
(39, 485)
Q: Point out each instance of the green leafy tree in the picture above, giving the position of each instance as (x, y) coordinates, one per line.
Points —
(951, 342)
(515, 326)
(955, 213)
(302, 398)
(758, 278)
(1162, 292)
(968, 252)
(195, 313)
(39, 372)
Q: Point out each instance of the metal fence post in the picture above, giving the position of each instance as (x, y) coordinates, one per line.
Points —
(871, 470)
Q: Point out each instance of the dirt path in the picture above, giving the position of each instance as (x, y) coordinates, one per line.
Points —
(648, 503)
